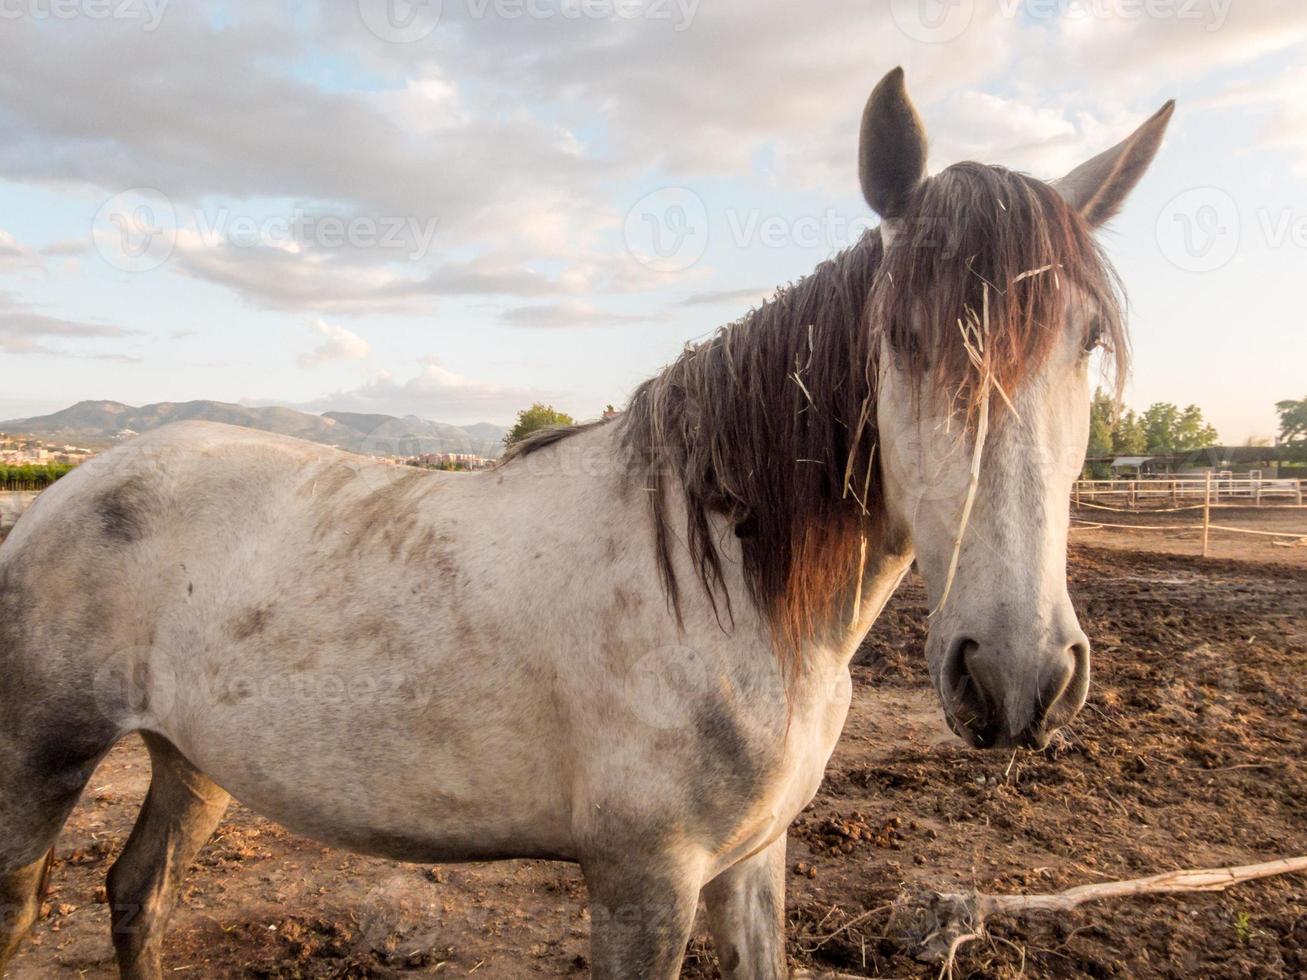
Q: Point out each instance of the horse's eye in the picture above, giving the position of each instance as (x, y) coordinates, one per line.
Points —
(1095, 337)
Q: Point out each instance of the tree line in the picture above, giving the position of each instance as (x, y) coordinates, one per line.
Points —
(1162, 428)
(31, 476)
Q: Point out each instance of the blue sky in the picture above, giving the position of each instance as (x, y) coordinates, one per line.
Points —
(456, 208)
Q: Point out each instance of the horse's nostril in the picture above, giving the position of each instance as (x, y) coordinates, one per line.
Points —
(966, 699)
(1065, 686)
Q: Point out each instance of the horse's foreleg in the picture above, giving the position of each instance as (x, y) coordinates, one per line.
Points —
(181, 810)
(20, 901)
(746, 914)
(35, 800)
(641, 913)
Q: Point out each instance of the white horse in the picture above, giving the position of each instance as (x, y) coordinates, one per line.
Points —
(626, 646)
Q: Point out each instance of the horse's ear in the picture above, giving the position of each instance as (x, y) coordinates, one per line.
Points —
(892, 148)
(1098, 187)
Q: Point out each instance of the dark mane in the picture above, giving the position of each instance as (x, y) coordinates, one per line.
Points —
(544, 438)
(771, 422)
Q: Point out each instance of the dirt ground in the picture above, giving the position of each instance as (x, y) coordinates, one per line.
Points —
(1190, 753)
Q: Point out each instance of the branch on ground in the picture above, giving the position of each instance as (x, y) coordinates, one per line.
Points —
(938, 924)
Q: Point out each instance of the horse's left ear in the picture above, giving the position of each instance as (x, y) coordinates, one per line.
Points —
(891, 148)
(1098, 187)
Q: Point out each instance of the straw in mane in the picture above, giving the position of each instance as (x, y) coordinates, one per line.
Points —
(771, 422)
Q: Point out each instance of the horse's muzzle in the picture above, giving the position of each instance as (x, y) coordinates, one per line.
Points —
(996, 698)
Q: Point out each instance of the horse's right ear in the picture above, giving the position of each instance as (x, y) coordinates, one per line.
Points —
(892, 148)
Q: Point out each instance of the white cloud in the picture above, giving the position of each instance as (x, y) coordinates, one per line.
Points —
(435, 392)
(25, 330)
(338, 344)
(1280, 100)
(569, 314)
(15, 257)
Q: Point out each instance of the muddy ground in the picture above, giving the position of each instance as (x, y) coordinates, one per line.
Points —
(1190, 753)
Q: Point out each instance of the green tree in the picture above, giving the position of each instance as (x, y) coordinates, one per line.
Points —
(1167, 429)
(1193, 431)
(1293, 421)
(1129, 438)
(532, 419)
(1102, 419)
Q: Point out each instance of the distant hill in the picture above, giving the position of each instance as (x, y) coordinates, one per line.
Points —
(97, 423)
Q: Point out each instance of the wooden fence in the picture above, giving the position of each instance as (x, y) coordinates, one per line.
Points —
(1225, 489)
(1171, 495)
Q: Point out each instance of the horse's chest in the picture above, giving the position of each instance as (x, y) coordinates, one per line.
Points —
(774, 794)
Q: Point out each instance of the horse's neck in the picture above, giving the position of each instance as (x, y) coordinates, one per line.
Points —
(889, 556)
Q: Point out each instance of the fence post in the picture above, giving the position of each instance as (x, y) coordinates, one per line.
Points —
(1077, 494)
(1207, 512)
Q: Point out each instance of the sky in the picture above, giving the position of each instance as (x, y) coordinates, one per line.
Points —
(454, 209)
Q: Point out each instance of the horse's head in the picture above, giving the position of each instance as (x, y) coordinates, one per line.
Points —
(989, 301)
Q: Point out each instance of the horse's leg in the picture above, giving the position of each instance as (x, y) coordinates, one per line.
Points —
(641, 913)
(38, 789)
(20, 901)
(746, 915)
(181, 810)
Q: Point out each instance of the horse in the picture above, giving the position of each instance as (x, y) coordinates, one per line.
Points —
(628, 644)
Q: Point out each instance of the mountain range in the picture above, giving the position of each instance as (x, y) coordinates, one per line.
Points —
(96, 423)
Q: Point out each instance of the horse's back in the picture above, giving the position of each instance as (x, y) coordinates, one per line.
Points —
(246, 595)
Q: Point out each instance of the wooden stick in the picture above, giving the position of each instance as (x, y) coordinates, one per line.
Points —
(1196, 880)
(958, 918)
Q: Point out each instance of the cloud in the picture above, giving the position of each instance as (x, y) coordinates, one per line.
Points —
(750, 297)
(569, 314)
(435, 392)
(1280, 100)
(16, 257)
(24, 330)
(338, 344)
(311, 278)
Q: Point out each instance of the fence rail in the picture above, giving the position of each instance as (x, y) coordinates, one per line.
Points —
(1162, 496)
(1225, 489)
